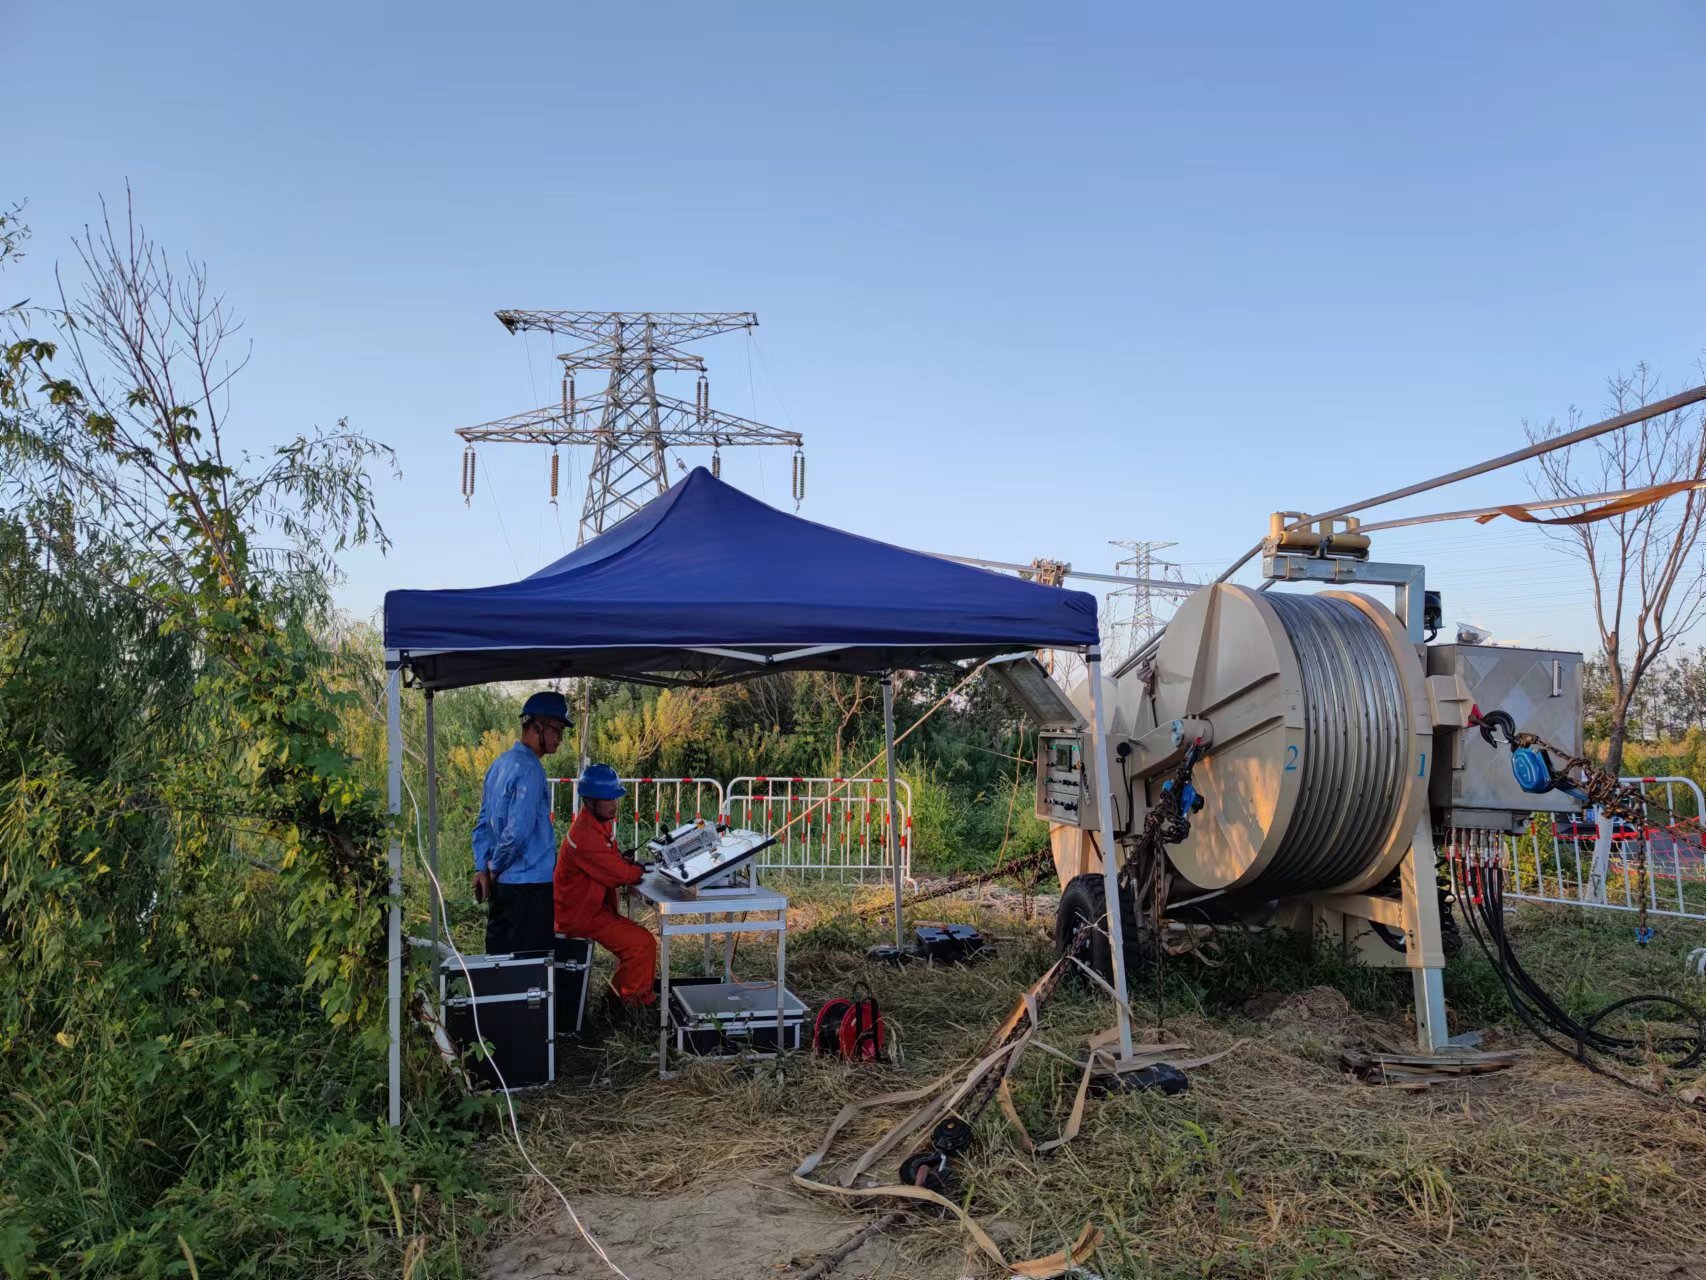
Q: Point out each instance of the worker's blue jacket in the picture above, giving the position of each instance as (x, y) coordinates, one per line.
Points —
(512, 836)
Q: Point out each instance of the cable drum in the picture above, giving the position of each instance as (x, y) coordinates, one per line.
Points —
(1354, 753)
(1316, 773)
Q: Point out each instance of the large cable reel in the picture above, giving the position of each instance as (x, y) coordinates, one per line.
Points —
(1316, 775)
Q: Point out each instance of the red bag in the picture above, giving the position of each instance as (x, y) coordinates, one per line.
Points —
(850, 1029)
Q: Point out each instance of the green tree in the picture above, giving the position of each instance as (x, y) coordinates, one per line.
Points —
(186, 846)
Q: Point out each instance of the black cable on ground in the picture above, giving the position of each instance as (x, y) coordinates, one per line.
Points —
(1480, 894)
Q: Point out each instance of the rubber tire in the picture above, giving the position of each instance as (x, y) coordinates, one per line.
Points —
(1085, 899)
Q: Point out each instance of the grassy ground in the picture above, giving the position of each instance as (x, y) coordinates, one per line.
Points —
(1274, 1164)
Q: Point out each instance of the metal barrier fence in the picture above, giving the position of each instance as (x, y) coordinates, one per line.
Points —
(825, 826)
(1554, 860)
(651, 803)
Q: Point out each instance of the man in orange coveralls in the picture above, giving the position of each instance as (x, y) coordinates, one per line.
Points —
(590, 868)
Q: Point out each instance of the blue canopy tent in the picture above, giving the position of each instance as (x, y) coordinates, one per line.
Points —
(707, 585)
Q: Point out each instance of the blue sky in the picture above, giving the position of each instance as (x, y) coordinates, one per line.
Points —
(1029, 277)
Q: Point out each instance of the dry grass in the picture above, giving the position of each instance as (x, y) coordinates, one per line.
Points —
(1274, 1164)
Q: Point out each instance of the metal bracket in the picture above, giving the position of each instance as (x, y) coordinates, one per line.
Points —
(1166, 744)
(1408, 579)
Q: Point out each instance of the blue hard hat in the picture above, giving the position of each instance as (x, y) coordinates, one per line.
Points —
(599, 782)
(547, 702)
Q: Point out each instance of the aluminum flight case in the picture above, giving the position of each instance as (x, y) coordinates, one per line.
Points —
(514, 997)
(732, 1019)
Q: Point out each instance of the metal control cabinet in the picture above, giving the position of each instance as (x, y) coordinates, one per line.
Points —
(1061, 780)
(1471, 784)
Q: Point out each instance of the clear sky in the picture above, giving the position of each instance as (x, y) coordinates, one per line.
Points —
(1029, 277)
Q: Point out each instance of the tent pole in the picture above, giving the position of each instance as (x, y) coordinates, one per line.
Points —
(434, 907)
(894, 810)
(1110, 867)
(586, 723)
(394, 982)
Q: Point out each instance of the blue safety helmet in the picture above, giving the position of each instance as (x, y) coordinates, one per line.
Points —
(547, 702)
(599, 782)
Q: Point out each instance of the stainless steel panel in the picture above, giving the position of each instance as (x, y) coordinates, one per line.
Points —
(1540, 689)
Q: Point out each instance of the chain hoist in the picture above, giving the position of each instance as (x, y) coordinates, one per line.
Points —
(1536, 772)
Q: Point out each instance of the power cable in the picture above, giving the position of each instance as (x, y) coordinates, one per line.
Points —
(474, 1009)
(1681, 400)
(1668, 405)
(502, 528)
(1478, 883)
(1477, 877)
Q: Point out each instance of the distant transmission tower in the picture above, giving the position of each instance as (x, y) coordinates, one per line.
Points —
(1141, 621)
(630, 424)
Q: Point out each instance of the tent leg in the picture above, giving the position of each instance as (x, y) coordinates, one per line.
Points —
(894, 809)
(394, 982)
(586, 723)
(1110, 867)
(432, 815)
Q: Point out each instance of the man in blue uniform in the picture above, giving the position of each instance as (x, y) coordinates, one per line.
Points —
(515, 850)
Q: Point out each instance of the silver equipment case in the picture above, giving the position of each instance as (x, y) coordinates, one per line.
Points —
(733, 1019)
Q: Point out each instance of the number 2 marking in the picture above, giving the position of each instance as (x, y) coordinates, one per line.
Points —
(1291, 759)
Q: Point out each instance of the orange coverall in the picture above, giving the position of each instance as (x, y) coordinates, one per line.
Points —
(590, 867)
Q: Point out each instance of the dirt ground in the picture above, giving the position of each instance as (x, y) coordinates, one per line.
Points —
(718, 1229)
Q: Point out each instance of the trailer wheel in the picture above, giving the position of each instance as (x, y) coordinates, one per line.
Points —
(1085, 900)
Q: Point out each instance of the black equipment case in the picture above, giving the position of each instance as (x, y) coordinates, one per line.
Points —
(952, 944)
(574, 967)
(515, 997)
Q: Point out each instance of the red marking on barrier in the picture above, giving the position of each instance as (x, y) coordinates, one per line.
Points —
(761, 778)
(1649, 779)
(687, 779)
(644, 780)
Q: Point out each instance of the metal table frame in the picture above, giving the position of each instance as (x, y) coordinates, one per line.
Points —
(675, 905)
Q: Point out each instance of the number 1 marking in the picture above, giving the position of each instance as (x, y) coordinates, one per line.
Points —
(1422, 769)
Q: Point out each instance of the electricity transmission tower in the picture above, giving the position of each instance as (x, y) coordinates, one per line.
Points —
(1142, 621)
(630, 424)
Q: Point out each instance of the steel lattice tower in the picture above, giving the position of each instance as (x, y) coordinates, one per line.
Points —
(630, 423)
(1143, 621)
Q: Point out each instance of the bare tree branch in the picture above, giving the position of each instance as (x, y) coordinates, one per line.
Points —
(1644, 566)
